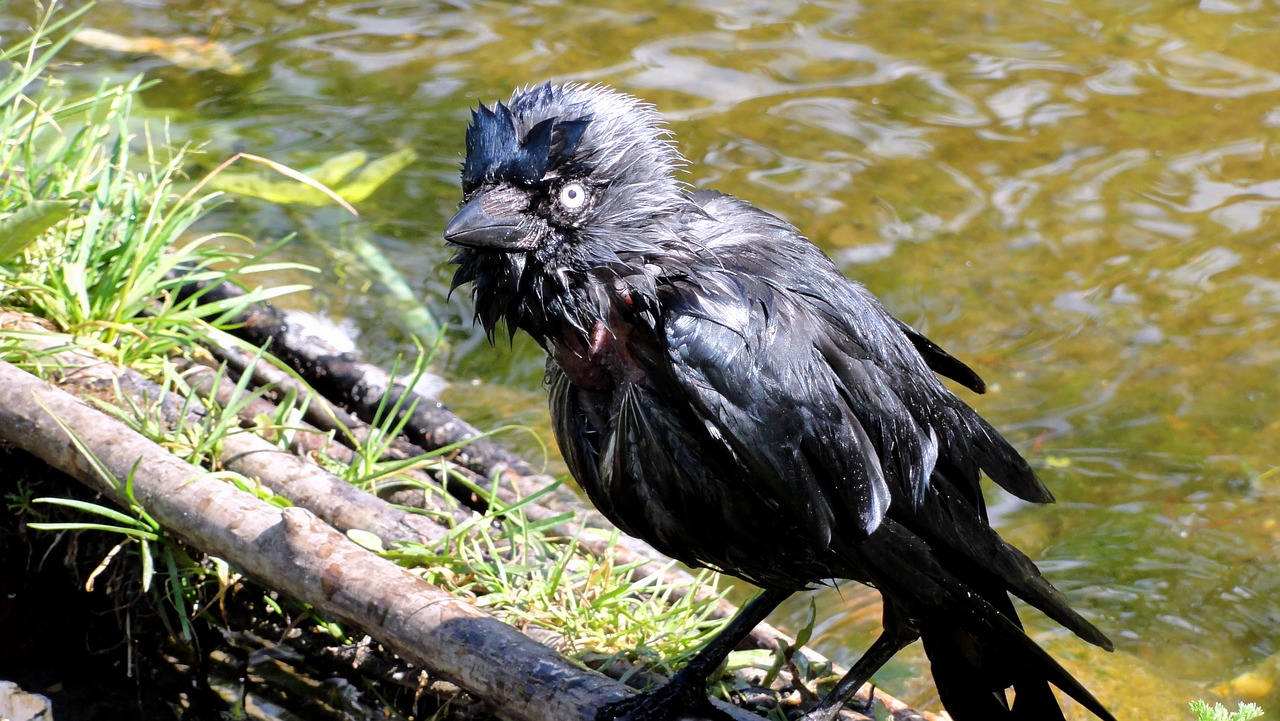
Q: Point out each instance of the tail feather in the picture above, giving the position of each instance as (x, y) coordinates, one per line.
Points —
(972, 550)
(965, 685)
(971, 633)
(969, 694)
(973, 670)
(1034, 700)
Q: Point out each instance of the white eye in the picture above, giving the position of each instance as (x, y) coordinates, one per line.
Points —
(572, 196)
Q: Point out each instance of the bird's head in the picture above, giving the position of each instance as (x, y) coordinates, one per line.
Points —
(561, 178)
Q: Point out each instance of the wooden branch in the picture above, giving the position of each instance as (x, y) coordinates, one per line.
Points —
(293, 551)
(332, 499)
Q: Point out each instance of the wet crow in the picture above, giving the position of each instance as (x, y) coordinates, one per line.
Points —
(720, 390)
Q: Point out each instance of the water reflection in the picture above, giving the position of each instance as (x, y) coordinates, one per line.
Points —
(1078, 197)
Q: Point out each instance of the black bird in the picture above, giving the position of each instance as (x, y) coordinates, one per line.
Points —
(720, 390)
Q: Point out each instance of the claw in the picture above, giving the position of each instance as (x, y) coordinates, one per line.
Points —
(829, 709)
(676, 700)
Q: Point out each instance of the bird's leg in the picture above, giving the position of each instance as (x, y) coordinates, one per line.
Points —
(685, 694)
(899, 632)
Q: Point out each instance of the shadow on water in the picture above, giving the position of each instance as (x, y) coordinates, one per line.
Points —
(1078, 197)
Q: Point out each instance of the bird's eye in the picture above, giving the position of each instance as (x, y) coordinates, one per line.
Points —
(573, 196)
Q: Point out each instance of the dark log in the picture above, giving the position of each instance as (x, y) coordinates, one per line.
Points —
(361, 387)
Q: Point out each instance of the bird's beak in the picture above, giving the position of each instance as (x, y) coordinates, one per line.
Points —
(491, 221)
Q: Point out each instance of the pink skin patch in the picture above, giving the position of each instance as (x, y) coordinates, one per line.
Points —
(605, 359)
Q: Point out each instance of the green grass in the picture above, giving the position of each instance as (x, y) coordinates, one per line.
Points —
(94, 219)
(137, 526)
(595, 609)
(1218, 712)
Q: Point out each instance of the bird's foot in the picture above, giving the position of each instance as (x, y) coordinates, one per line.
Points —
(676, 700)
(829, 709)
(823, 713)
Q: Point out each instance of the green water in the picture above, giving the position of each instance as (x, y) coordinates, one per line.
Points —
(1078, 197)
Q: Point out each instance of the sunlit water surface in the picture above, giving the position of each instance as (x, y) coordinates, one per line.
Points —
(1078, 197)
